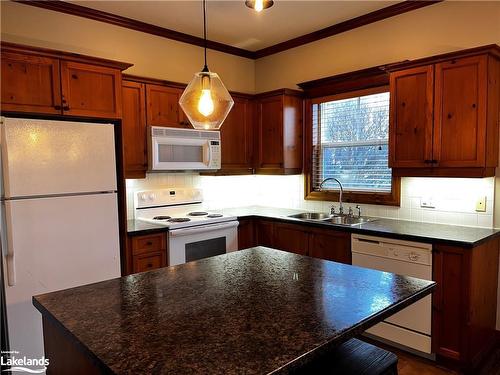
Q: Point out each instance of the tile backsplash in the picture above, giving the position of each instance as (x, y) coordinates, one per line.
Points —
(454, 199)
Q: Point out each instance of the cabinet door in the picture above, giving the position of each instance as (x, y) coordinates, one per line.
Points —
(330, 245)
(270, 133)
(265, 233)
(91, 91)
(134, 130)
(460, 112)
(163, 107)
(246, 234)
(411, 118)
(30, 84)
(236, 138)
(292, 238)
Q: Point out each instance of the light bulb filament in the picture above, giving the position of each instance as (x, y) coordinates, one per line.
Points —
(259, 5)
(206, 103)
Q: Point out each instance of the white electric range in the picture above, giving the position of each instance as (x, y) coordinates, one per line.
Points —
(194, 232)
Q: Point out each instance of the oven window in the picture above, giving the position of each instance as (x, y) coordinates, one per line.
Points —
(180, 153)
(205, 248)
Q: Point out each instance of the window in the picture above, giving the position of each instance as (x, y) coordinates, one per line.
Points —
(349, 141)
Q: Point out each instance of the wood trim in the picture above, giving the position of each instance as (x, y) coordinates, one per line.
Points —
(179, 85)
(346, 82)
(129, 23)
(353, 23)
(69, 56)
(284, 91)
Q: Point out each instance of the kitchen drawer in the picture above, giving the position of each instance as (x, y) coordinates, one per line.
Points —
(148, 243)
(149, 261)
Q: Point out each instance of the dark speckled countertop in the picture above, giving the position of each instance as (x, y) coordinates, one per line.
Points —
(255, 311)
(401, 229)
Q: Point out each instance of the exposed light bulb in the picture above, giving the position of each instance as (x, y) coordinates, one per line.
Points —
(259, 5)
(206, 104)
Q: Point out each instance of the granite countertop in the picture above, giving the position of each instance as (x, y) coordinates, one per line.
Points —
(255, 311)
(400, 229)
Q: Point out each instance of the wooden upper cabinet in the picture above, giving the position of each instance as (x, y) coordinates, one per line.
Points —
(237, 138)
(163, 107)
(411, 117)
(43, 81)
(134, 130)
(30, 83)
(445, 115)
(460, 112)
(91, 91)
(279, 132)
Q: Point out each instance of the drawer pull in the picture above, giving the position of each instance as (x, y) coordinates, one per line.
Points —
(149, 265)
(149, 243)
(66, 108)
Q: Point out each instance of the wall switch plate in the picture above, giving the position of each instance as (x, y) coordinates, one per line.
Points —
(426, 202)
(481, 204)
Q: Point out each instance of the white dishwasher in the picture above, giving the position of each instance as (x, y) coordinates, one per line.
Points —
(411, 327)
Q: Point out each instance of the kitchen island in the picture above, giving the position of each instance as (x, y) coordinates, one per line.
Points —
(255, 311)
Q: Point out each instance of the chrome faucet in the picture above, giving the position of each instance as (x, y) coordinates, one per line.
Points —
(332, 209)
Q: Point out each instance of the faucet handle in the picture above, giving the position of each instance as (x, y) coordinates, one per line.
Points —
(358, 207)
(350, 211)
(332, 210)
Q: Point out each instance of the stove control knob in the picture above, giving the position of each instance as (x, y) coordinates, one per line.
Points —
(143, 197)
(152, 197)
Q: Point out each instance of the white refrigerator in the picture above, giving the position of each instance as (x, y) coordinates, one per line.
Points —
(59, 216)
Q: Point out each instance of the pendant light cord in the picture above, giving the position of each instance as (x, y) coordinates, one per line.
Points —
(205, 68)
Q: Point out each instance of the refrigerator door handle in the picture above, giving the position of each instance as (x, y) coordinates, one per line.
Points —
(10, 256)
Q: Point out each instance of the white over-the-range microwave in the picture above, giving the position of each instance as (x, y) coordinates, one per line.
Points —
(172, 149)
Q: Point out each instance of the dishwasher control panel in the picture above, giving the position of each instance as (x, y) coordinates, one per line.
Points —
(407, 251)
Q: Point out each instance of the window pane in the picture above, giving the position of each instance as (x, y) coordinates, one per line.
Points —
(350, 138)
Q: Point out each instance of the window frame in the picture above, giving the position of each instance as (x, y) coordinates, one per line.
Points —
(391, 198)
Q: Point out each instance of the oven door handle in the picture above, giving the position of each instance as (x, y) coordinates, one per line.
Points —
(202, 229)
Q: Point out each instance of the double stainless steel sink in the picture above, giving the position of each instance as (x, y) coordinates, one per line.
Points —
(333, 219)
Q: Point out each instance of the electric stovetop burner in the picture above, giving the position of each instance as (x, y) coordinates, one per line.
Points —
(161, 218)
(212, 216)
(178, 219)
(198, 213)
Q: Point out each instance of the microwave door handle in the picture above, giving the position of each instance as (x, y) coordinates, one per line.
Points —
(202, 229)
(208, 152)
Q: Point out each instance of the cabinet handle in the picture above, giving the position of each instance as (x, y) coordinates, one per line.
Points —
(149, 265)
(149, 243)
(434, 161)
(427, 161)
(58, 107)
(66, 108)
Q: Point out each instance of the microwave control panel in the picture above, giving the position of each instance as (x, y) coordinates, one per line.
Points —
(215, 155)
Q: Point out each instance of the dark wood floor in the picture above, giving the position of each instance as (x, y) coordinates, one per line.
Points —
(409, 364)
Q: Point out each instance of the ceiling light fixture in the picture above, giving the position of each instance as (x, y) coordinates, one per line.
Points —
(259, 5)
(206, 101)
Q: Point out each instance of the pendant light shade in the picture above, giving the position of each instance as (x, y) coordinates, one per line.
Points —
(206, 101)
(259, 5)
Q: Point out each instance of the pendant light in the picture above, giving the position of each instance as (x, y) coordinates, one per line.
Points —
(259, 5)
(206, 101)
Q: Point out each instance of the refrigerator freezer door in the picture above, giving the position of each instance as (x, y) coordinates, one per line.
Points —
(42, 157)
(57, 243)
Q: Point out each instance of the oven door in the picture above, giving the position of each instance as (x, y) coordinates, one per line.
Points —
(204, 241)
(171, 154)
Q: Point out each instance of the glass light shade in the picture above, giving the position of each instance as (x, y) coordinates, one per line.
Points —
(206, 101)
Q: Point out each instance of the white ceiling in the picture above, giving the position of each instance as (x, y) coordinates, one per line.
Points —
(231, 22)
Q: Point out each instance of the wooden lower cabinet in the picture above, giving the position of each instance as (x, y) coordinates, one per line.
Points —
(330, 245)
(146, 252)
(292, 238)
(323, 243)
(465, 303)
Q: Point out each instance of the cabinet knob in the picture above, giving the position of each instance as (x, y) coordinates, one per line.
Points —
(58, 107)
(149, 243)
(449, 115)
(74, 76)
(149, 265)
(66, 108)
(474, 105)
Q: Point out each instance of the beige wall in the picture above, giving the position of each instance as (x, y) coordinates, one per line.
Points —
(152, 56)
(436, 29)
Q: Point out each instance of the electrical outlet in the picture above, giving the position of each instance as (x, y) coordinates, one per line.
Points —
(481, 204)
(426, 202)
